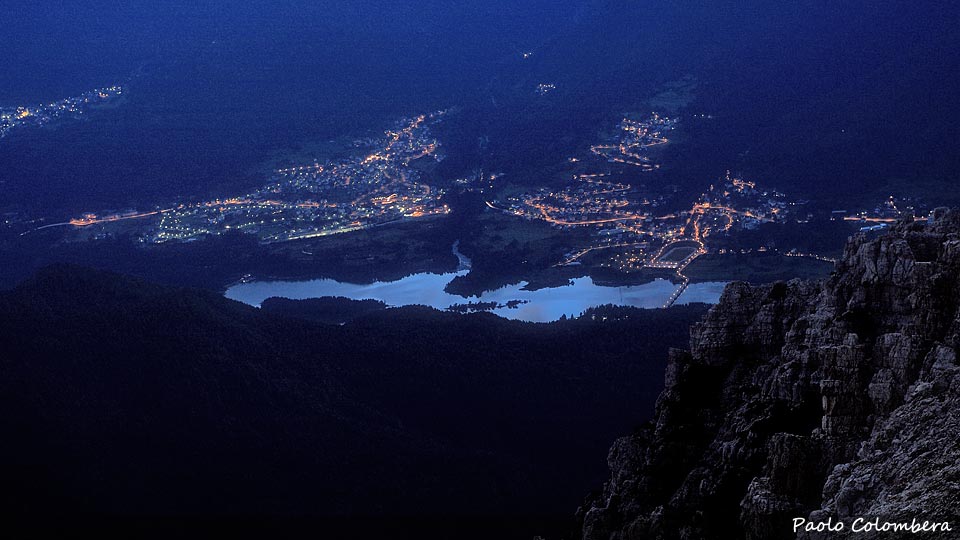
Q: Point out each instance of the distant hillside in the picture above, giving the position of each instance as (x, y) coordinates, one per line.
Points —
(822, 99)
(327, 310)
(125, 398)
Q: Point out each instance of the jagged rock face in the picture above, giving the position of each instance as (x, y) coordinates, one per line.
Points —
(836, 399)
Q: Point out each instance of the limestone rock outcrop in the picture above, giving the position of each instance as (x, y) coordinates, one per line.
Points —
(822, 400)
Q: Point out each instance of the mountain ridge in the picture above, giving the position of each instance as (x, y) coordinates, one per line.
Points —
(128, 399)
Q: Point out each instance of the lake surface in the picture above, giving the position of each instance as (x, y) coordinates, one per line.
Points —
(543, 305)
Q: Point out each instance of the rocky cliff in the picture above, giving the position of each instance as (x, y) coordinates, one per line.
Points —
(838, 399)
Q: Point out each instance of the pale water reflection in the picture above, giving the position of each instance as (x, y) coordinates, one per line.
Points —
(542, 305)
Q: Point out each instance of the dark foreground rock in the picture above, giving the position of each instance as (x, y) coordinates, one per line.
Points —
(834, 400)
(123, 400)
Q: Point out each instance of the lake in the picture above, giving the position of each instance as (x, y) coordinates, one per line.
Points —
(543, 305)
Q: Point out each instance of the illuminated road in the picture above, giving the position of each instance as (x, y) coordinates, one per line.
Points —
(879, 219)
(85, 222)
(679, 268)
